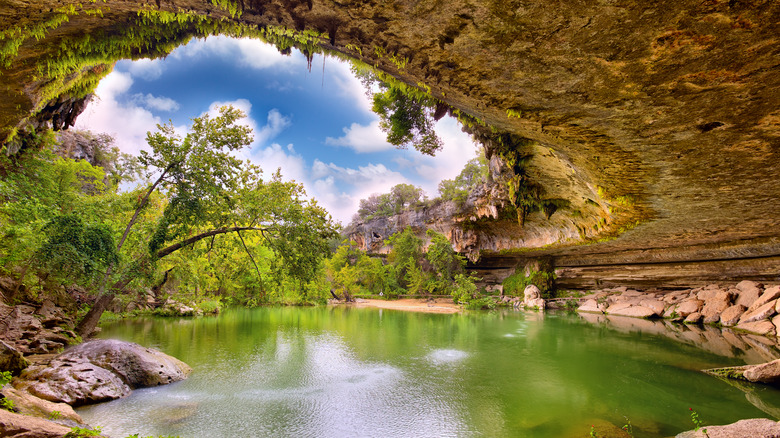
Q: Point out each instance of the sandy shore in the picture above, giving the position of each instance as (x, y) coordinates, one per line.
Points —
(434, 305)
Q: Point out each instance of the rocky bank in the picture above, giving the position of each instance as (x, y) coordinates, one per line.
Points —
(747, 306)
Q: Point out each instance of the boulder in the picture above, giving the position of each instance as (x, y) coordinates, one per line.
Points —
(28, 404)
(102, 370)
(708, 294)
(74, 383)
(748, 292)
(656, 305)
(634, 312)
(11, 359)
(537, 303)
(693, 318)
(689, 306)
(753, 428)
(25, 426)
(176, 308)
(617, 307)
(770, 294)
(762, 327)
(764, 311)
(715, 306)
(531, 292)
(592, 306)
(731, 315)
(764, 373)
(532, 297)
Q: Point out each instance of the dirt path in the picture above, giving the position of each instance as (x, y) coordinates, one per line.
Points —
(434, 305)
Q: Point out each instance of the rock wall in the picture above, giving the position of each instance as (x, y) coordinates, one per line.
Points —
(668, 109)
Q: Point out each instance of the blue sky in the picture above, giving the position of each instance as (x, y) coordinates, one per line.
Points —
(317, 127)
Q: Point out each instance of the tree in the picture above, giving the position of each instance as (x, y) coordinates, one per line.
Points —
(212, 193)
(405, 255)
(405, 195)
(75, 250)
(474, 173)
(445, 261)
(406, 114)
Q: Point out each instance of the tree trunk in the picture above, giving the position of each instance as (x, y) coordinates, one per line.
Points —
(157, 288)
(91, 319)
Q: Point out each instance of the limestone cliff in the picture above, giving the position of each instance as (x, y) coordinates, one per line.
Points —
(667, 109)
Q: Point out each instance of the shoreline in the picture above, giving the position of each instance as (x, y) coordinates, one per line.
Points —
(423, 305)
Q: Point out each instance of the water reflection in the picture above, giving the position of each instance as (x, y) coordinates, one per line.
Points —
(324, 372)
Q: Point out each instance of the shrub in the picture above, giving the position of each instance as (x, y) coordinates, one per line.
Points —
(516, 283)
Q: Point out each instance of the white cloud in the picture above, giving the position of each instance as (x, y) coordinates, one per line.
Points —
(155, 102)
(248, 52)
(274, 157)
(276, 123)
(362, 139)
(340, 73)
(148, 69)
(127, 123)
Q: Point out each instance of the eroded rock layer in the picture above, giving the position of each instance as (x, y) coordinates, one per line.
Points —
(667, 109)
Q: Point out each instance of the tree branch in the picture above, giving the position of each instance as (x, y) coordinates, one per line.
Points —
(177, 246)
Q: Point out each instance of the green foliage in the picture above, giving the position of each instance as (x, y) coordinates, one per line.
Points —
(407, 119)
(83, 432)
(350, 272)
(7, 404)
(400, 198)
(405, 255)
(445, 261)
(406, 114)
(5, 378)
(408, 269)
(516, 283)
(76, 251)
(55, 415)
(473, 174)
(697, 422)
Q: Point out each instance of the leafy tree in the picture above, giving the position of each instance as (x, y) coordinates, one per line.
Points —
(75, 250)
(212, 193)
(405, 255)
(405, 195)
(37, 186)
(445, 261)
(406, 114)
(400, 198)
(473, 174)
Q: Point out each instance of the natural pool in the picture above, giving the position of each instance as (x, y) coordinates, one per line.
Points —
(347, 372)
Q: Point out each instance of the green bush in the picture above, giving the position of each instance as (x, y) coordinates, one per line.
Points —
(515, 284)
(210, 306)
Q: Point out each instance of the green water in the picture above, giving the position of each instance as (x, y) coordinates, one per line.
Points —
(345, 372)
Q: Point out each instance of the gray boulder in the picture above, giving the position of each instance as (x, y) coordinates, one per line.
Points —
(102, 370)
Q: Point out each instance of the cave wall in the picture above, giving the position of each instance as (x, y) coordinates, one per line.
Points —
(672, 104)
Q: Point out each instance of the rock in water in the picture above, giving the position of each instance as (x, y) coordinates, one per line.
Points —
(764, 373)
(102, 370)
